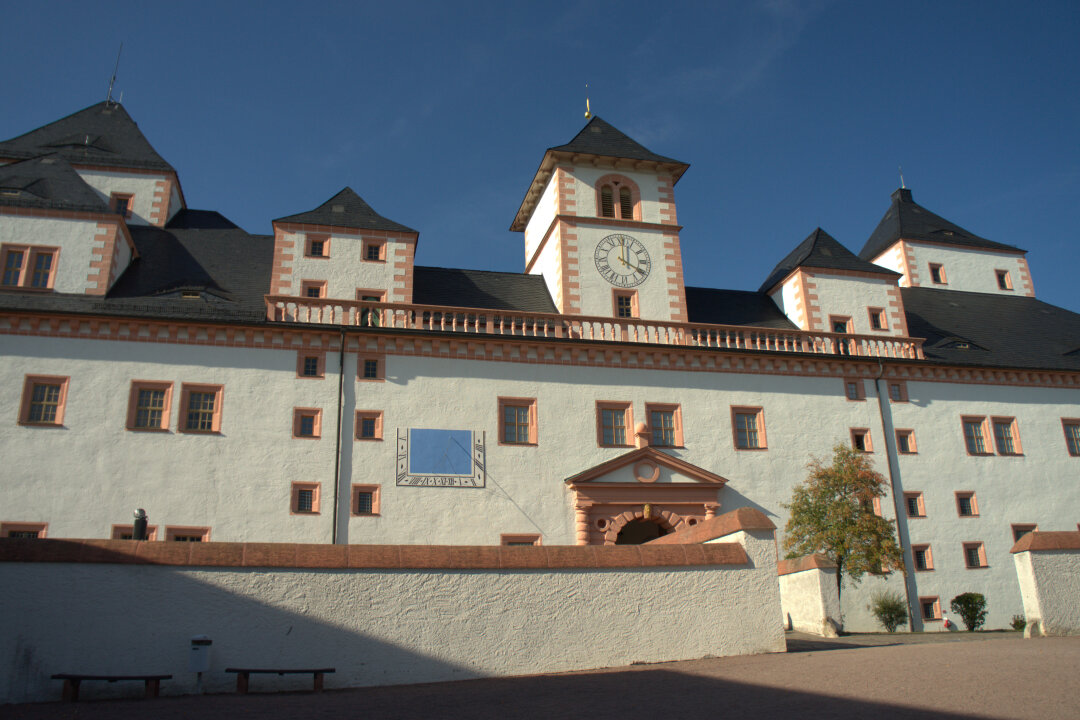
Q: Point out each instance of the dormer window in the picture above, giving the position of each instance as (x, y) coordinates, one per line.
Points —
(937, 274)
(1003, 280)
(121, 204)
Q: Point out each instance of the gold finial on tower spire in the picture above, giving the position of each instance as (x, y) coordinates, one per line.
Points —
(902, 185)
(588, 113)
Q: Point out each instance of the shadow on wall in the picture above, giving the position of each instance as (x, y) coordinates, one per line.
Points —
(143, 618)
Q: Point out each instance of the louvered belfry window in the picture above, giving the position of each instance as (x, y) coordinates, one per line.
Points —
(607, 201)
(626, 205)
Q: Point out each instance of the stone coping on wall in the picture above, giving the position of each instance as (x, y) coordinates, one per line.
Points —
(390, 557)
(741, 519)
(806, 562)
(1040, 540)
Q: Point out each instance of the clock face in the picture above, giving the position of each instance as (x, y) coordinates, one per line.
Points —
(622, 260)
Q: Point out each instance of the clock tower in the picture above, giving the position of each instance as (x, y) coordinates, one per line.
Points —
(600, 227)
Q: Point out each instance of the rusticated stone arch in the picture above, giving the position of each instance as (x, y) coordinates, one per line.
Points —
(665, 518)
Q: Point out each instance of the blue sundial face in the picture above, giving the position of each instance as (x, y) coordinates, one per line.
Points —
(622, 260)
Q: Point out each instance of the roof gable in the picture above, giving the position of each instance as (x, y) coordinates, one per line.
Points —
(647, 453)
(905, 219)
(346, 210)
(102, 134)
(821, 250)
(47, 182)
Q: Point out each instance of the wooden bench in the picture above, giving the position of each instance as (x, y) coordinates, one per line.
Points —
(72, 681)
(243, 673)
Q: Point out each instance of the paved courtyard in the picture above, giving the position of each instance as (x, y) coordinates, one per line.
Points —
(992, 675)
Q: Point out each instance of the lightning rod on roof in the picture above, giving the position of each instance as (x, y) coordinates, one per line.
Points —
(588, 113)
(902, 185)
(112, 80)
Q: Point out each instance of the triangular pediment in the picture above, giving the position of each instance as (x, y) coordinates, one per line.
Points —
(646, 465)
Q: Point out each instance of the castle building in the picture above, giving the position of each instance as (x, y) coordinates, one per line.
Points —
(316, 385)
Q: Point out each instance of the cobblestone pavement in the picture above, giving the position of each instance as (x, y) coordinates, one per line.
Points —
(985, 675)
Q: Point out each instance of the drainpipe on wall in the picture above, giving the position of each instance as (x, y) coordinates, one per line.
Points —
(337, 438)
(890, 457)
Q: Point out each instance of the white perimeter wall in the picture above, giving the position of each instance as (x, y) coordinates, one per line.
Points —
(809, 601)
(1050, 584)
(75, 238)
(377, 627)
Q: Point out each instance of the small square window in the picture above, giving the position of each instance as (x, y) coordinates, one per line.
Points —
(665, 424)
(313, 288)
(1072, 436)
(519, 539)
(122, 203)
(913, 502)
(840, 324)
(937, 274)
(365, 500)
(898, 391)
(748, 428)
(200, 408)
(931, 608)
(187, 534)
(369, 425)
(517, 421)
(860, 440)
(307, 423)
(374, 250)
(317, 246)
(1006, 436)
(878, 320)
(1003, 280)
(149, 405)
(974, 555)
(43, 401)
(127, 532)
(976, 435)
(854, 389)
(1022, 529)
(305, 498)
(924, 559)
(905, 442)
(966, 504)
(311, 363)
(33, 530)
(615, 424)
(625, 303)
(370, 368)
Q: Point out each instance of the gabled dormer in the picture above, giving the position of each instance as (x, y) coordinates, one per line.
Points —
(601, 228)
(822, 286)
(111, 154)
(56, 233)
(343, 250)
(929, 251)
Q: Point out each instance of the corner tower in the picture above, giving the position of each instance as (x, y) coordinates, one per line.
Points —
(600, 227)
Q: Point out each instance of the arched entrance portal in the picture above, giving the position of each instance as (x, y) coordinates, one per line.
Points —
(637, 532)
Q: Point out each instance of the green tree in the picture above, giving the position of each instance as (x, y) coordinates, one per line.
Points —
(832, 513)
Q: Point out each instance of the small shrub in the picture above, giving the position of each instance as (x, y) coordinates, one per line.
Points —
(890, 609)
(971, 607)
(1018, 623)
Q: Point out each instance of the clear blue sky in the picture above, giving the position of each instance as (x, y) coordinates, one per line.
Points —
(792, 115)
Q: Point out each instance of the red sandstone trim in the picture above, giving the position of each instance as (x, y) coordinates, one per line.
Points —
(673, 269)
(1041, 540)
(1027, 287)
(732, 522)
(159, 208)
(404, 254)
(398, 557)
(806, 562)
(284, 253)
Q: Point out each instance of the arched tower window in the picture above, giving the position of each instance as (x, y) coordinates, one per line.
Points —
(607, 202)
(618, 196)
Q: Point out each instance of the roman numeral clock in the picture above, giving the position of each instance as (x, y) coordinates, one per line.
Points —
(622, 260)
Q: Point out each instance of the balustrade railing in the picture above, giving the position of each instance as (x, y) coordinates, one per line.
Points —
(436, 318)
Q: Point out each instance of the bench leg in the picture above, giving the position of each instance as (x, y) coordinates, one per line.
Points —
(242, 683)
(318, 682)
(153, 686)
(71, 690)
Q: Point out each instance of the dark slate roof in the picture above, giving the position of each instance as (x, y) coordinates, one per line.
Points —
(481, 289)
(601, 138)
(908, 220)
(102, 134)
(734, 307)
(47, 182)
(821, 250)
(1000, 330)
(346, 210)
(227, 266)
